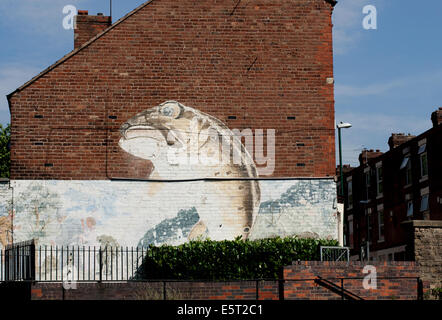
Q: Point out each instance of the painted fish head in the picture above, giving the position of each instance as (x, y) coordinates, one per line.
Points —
(149, 132)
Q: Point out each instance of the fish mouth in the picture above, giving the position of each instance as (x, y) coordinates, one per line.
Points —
(129, 131)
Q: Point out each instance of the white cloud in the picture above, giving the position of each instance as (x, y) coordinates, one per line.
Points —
(347, 22)
(371, 89)
(372, 131)
(414, 81)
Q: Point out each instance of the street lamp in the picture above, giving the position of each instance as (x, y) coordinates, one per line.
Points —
(341, 125)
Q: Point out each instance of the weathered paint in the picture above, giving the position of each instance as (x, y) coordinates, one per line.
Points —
(124, 213)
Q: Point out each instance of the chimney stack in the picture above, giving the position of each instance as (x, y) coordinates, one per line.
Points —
(366, 155)
(87, 27)
(436, 117)
(396, 139)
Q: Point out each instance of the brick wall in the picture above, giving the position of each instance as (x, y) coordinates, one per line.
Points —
(403, 287)
(427, 245)
(243, 290)
(268, 64)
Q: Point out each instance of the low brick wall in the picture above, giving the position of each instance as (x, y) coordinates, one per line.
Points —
(395, 280)
(235, 290)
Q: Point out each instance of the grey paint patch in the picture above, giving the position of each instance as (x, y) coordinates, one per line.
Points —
(300, 194)
(171, 230)
(304, 210)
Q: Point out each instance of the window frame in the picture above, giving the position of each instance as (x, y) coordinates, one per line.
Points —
(427, 197)
(350, 193)
(379, 180)
(408, 173)
(350, 231)
(410, 206)
(381, 226)
(421, 156)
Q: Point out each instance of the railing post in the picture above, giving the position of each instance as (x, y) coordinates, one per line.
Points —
(420, 289)
(100, 262)
(32, 262)
(281, 286)
(6, 265)
(342, 289)
(164, 290)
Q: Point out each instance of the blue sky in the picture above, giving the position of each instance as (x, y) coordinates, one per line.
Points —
(386, 80)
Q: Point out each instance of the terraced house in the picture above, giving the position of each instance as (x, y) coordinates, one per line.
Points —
(394, 201)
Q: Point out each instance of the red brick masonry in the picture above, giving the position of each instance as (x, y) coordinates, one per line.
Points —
(404, 286)
(264, 65)
(395, 280)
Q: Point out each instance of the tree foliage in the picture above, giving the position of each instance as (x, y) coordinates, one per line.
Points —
(228, 260)
(5, 155)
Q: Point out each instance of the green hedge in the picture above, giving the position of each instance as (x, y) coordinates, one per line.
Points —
(228, 260)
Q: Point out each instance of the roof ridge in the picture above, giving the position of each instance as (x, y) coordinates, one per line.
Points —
(75, 51)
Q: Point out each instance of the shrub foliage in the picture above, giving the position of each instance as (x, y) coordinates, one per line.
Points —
(228, 260)
(5, 155)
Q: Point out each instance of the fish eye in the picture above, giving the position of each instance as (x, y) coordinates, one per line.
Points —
(167, 111)
(171, 110)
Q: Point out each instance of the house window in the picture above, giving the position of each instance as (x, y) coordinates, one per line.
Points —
(409, 208)
(350, 194)
(406, 164)
(369, 221)
(350, 230)
(367, 178)
(379, 179)
(424, 165)
(423, 160)
(381, 225)
(424, 203)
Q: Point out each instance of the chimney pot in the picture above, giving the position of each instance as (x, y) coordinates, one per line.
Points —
(83, 12)
(436, 117)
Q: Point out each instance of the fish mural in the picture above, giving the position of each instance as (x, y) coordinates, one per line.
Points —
(185, 143)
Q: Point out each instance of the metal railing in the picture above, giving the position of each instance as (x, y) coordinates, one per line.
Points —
(17, 262)
(335, 253)
(79, 264)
